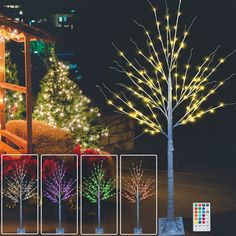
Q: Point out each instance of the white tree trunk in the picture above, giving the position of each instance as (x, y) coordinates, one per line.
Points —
(21, 208)
(170, 149)
(59, 209)
(99, 208)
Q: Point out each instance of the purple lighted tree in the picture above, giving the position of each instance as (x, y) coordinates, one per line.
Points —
(59, 188)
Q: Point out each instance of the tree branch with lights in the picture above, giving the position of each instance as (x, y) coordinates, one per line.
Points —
(162, 94)
(19, 187)
(137, 188)
(58, 188)
(96, 188)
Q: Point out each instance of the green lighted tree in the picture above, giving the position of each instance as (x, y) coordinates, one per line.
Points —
(96, 188)
(164, 93)
(13, 100)
(61, 103)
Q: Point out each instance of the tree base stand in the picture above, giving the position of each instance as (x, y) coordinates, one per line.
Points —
(138, 230)
(99, 230)
(171, 227)
(60, 231)
(20, 231)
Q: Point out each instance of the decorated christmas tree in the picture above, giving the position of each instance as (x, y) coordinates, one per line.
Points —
(61, 103)
(14, 100)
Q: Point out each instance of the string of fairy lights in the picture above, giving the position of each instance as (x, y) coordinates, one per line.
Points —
(137, 187)
(57, 186)
(7, 34)
(18, 186)
(98, 186)
(11, 106)
(150, 84)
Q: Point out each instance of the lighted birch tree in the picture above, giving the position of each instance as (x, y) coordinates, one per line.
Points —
(164, 92)
(59, 188)
(19, 188)
(96, 188)
(137, 188)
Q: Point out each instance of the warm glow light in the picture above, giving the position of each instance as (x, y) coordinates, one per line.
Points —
(159, 80)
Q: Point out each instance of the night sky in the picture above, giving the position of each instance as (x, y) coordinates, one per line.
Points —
(212, 140)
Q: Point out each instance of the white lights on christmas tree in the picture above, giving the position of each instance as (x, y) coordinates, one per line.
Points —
(62, 104)
(14, 105)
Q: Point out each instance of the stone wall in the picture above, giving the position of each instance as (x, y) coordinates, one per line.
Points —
(121, 134)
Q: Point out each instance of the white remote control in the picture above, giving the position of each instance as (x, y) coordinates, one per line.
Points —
(201, 217)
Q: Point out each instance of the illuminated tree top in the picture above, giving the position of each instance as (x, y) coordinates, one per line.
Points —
(136, 187)
(98, 186)
(58, 187)
(158, 76)
(19, 187)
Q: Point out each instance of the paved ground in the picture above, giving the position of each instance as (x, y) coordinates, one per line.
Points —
(196, 186)
(190, 187)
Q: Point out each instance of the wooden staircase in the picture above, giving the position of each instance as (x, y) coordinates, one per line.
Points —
(20, 33)
(13, 144)
(9, 142)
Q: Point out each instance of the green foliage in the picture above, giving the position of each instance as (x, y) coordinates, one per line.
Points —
(61, 103)
(97, 184)
(14, 101)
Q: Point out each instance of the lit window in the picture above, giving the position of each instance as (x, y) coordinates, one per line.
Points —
(12, 6)
(62, 19)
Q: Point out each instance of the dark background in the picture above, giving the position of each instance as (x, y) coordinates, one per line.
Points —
(210, 143)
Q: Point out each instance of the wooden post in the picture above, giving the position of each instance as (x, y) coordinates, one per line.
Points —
(2, 90)
(28, 85)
